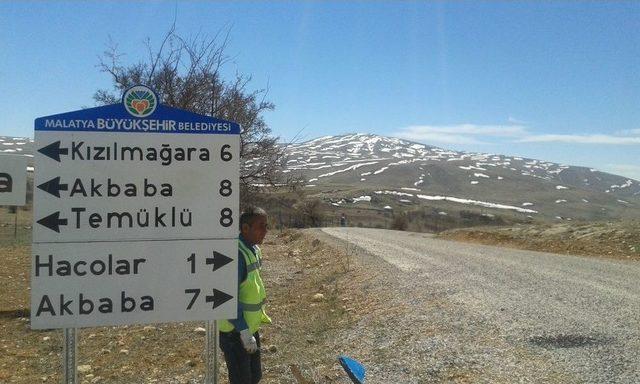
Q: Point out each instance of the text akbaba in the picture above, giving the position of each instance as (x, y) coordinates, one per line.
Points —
(112, 189)
(61, 305)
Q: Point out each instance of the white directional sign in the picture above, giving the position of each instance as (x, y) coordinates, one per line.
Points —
(93, 186)
(13, 179)
(85, 284)
(135, 215)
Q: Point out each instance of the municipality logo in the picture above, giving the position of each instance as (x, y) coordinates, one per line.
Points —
(140, 101)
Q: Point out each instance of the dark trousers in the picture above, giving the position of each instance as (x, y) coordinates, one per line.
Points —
(244, 368)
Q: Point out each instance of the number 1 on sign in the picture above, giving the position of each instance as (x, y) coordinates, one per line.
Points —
(192, 260)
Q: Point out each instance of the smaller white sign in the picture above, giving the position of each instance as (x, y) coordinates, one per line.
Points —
(77, 285)
(13, 179)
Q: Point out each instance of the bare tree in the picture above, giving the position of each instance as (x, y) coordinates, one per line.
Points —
(310, 212)
(186, 74)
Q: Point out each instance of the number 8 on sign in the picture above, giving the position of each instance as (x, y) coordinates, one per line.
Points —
(225, 188)
(225, 217)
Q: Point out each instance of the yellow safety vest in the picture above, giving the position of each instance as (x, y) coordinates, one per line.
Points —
(252, 295)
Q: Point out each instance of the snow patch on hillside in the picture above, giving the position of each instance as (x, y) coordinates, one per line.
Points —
(351, 168)
(477, 202)
(626, 184)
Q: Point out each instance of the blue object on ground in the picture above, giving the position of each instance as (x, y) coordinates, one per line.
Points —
(354, 369)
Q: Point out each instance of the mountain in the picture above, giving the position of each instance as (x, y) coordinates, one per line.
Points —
(390, 172)
(386, 173)
(16, 145)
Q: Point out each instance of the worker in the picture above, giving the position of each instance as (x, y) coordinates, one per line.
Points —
(240, 337)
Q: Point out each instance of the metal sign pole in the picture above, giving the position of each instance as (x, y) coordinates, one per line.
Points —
(70, 351)
(211, 376)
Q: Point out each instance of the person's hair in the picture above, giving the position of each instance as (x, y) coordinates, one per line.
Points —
(250, 213)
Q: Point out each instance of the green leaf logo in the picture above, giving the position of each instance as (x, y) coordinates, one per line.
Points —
(140, 101)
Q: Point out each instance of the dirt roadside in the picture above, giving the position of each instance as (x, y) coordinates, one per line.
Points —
(313, 294)
(617, 240)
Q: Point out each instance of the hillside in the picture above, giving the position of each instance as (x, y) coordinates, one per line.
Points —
(16, 146)
(399, 174)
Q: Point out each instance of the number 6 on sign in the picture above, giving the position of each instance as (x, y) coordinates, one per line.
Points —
(225, 217)
(224, 154)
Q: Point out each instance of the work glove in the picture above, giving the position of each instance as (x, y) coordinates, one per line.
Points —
(248, 341)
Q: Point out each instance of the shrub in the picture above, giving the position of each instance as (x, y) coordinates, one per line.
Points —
(400, 222)
(310, 212)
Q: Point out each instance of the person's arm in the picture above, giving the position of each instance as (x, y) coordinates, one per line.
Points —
(239, 323)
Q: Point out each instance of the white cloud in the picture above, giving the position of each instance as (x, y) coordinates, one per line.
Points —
(459, 134)
(438, 138)
(581, 139)
(468, 129)
(513, 120)
(516, 131)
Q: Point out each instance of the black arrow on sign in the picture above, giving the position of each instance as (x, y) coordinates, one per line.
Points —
(218, 260)
(54, 151)
(53, 186)
(218, 298)
(53, 222)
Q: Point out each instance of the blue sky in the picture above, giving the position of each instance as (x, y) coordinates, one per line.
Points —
(553, 81)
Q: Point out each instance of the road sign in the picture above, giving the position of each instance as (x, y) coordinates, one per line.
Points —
(124, 196)
(13, 179)
(94, 186)
(111, 283)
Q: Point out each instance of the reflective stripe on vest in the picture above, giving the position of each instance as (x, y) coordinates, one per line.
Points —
(257, 264)
(253, 307)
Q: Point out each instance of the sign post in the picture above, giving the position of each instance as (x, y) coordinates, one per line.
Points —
(211, 375)
(70, 351)
(135, 218)
(13, 184)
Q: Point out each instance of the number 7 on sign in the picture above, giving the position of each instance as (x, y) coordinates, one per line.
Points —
(195, 292)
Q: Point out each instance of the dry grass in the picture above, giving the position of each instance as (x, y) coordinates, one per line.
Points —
(617, 240)
(297, 267)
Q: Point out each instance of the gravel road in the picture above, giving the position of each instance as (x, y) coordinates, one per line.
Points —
(472, 313)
